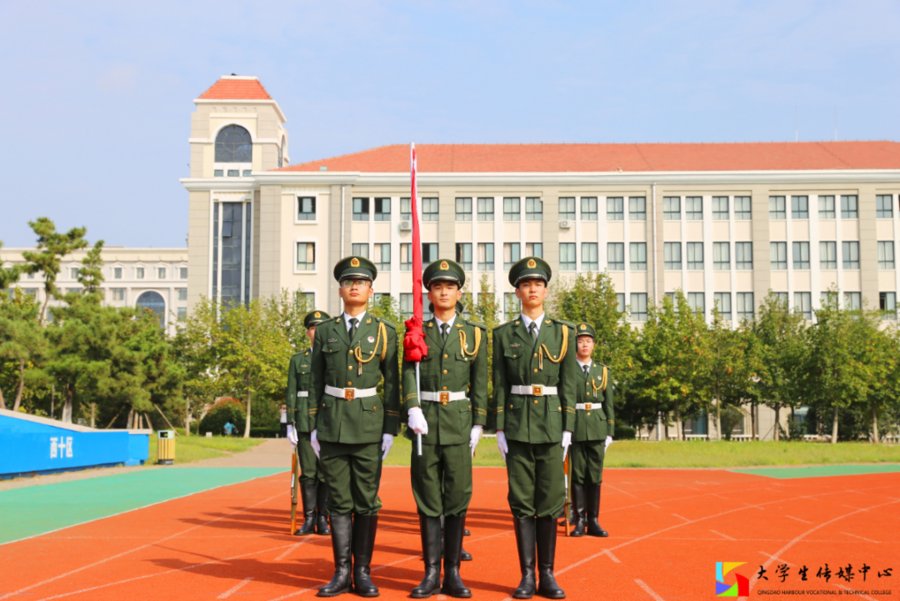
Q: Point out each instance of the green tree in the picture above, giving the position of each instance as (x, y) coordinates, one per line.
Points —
(51, 248)
(22, 343)
(731, 367)
(884, 394)
(196, 350)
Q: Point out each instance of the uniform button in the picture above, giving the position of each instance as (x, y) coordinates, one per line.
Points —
(535, 354)
(349, 383)
(446, 356)
(535, 370)
(535, 401)
(349, 367)
(445, 372)
(443, 388)
(349, 352)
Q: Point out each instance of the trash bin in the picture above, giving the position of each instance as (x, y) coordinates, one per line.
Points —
(165, 447)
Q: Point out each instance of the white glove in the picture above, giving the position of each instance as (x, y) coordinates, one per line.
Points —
(417, 421)
(566, 442)
(387, 440)
(474, 437)
(609, 441)
(314, 442)
(501, 444)
(292, 435)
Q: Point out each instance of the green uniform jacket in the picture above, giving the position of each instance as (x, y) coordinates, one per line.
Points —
(595, 388)
(299, 380)
(519, 360)
(450, 367)
(336, 362)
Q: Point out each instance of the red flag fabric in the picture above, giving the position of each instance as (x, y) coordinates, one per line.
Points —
(414, 340)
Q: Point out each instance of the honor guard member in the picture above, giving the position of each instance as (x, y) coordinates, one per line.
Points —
(301, 413)
(449, 412)
(535, 380)
(354, 427)
(594, 424)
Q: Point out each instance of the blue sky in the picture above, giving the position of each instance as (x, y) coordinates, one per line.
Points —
(98, 94)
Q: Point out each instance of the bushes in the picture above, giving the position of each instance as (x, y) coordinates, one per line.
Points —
(225, 409)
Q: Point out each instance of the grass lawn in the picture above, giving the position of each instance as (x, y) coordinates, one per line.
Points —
(195, 448)
(633, 453)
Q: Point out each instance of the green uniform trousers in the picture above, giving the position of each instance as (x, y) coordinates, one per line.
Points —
(586, 462)
(442, 479)
(352, 473)
(309, 463)
(536, 479)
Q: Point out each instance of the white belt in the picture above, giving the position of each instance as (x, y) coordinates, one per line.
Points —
(443, 397)
(302, 394)
(588, 406)
(536, 390)
(349, 393)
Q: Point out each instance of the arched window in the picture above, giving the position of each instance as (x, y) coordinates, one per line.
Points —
(233, 145)
(154, 302)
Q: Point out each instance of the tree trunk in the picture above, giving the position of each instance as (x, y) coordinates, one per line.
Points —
(67, 408)
(129, 421)
(777, 433)
(718, 419)
(754, 432)
(93, 415)
(187, 417)
(20, 387)
(875, 437)
(2, 400)
(834, 427)
(247, 421)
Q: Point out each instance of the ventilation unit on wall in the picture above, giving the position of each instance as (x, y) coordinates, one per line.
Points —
(564, 224)
(405, 226)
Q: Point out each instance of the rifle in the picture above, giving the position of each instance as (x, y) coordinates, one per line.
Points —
(295, 478)
(567, 503)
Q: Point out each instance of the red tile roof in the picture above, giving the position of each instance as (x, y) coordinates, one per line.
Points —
(236, 88)
(587, 158)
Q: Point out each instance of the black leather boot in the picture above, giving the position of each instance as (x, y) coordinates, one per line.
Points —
(341, 537)
(525, 545)
(593, 503)
(430, 529)
(578, 510)
(308, 495)
(364, 528)
(322, 510)
(546, 550)
(453, 535)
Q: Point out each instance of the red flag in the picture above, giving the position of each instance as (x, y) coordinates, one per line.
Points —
(414, 341)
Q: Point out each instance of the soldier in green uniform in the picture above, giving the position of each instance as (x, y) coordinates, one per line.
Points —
(449, 413)
(313, 491)
(594, 422)
(535, 382)
(354, 427)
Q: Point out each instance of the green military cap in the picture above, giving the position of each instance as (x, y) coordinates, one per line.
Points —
(530, 268)
(355, 268)
(444, 270)
(585, 329)
(314, 318)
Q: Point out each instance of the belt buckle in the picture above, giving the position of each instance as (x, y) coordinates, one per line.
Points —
(587, 406)
(444, 397)
(537, 390)
(349, 394)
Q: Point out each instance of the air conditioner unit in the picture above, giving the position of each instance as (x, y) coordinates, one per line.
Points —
(564, 224)
(405, 226)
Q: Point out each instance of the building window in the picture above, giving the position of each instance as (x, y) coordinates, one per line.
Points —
(743, 255)
(886, 255)
(695, 255)
(512, 208)
(567, 208)
(826, 207)
(615, 207)
(139, 273)
(720, 207)
(406, 304)
(306, 256)
(160, 273)
(849, 206)
(405, 256)
(828, 298)
(117, 273)
(693, 208)
(383, 209)
(697, 302)
(777, 208)
(534, 249)
(567, 260)
(464, 208)
(620, 302)
(828, 255)
(742, 208)
(778, 254)
(853, 301)
(803, 304)
(182, 294)
(722, 302)
(887, 302)
(672, 207)
(383, 255)
(74, 272)
(850, 255)
(182, 273)
(405, 209)
(590, 260)
(153, 301)
(639, 306)
(233, 145)
(464, 254)
(744, 302)
(672, 255)
(360, 209)
(721, 256)
(430, 209)
(782, 299)
(884, 206)
(637, 208)
(306, 208)
(615, 256)
(118, 294)
(534, 209)
(181, 313)
(486, 256)
(512, 252)
(800, 207)
(637, 253)
(800, 252)
(486, 208)
(511, 304)
(429, 252)
(360, 249)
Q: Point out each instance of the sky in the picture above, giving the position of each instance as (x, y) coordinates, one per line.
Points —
(98, 95)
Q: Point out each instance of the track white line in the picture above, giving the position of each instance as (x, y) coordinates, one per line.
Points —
(612, 556)
(291, 549)
(648, 590)
(796, 519)
(722, 534)
(868, 540)
(236, 588)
